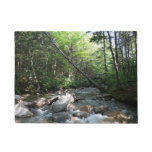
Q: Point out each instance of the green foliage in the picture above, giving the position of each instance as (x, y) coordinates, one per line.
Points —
(21, 83)
(68, 83)
(37, 58)
(48, 82)
(111, 79)
(17, 90)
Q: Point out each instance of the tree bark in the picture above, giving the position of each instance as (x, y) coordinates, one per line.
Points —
(126, 54)
(116, 50)
(121, 51)
(114, 62)
(135, 33)
(128, 58)
(70, 58)
(31, 53)
(104, 49)
(47, 59)
(54, 65)
(62, 53)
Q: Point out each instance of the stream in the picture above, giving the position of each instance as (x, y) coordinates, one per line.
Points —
(82, 105)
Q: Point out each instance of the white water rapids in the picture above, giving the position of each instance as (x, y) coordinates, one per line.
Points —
(56, 112)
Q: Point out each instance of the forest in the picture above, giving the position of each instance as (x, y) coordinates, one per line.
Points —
(61, 61)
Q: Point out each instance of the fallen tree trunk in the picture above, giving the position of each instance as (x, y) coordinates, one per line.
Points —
(62, 53)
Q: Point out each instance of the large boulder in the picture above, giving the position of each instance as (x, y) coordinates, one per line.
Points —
(62, 103)
(60, 117)
(39, 102)
(22, 111)
(58, 106)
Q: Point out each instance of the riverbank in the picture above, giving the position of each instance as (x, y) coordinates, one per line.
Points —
(126, 95)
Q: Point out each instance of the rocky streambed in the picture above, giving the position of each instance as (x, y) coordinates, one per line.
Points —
(83, 105)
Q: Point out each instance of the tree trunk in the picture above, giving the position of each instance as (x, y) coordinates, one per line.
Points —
(114, 62)
(33, 70)
(135, 33)
(116, 50)
(132, 59)
(62, 53)
(121, 52)
(125, 39)
(126, 54)
(47, 59)
(54, 66)
(104, 49)
(70, 58)
(128, 58)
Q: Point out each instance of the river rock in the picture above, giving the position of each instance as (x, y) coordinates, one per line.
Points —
(96, 118)
(71, 107)
(22, 111)
(24, 96)
(52, 99)
(27, 104)
(75, 120)
(99, 96)
(107, 96)
(113, 99)
(62, 103)
(17, 98)
(58, 106)
(118, 115)
(87, 93)
(81, 114)
(86, 108)
(40, 102)
(101, 109)
(60, 117)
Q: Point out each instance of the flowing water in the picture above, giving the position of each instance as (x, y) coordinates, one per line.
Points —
(114, 111)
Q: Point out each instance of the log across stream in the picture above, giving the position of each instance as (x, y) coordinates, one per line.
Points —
(82, 105)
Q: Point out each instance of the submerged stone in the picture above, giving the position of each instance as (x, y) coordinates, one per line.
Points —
(101, 109)
(96, 118)
(86, 108)
(60, 117)
(81, 114)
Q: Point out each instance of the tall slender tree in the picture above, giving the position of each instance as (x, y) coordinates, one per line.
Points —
(114, 61)
(104, 49)
(116, 50)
